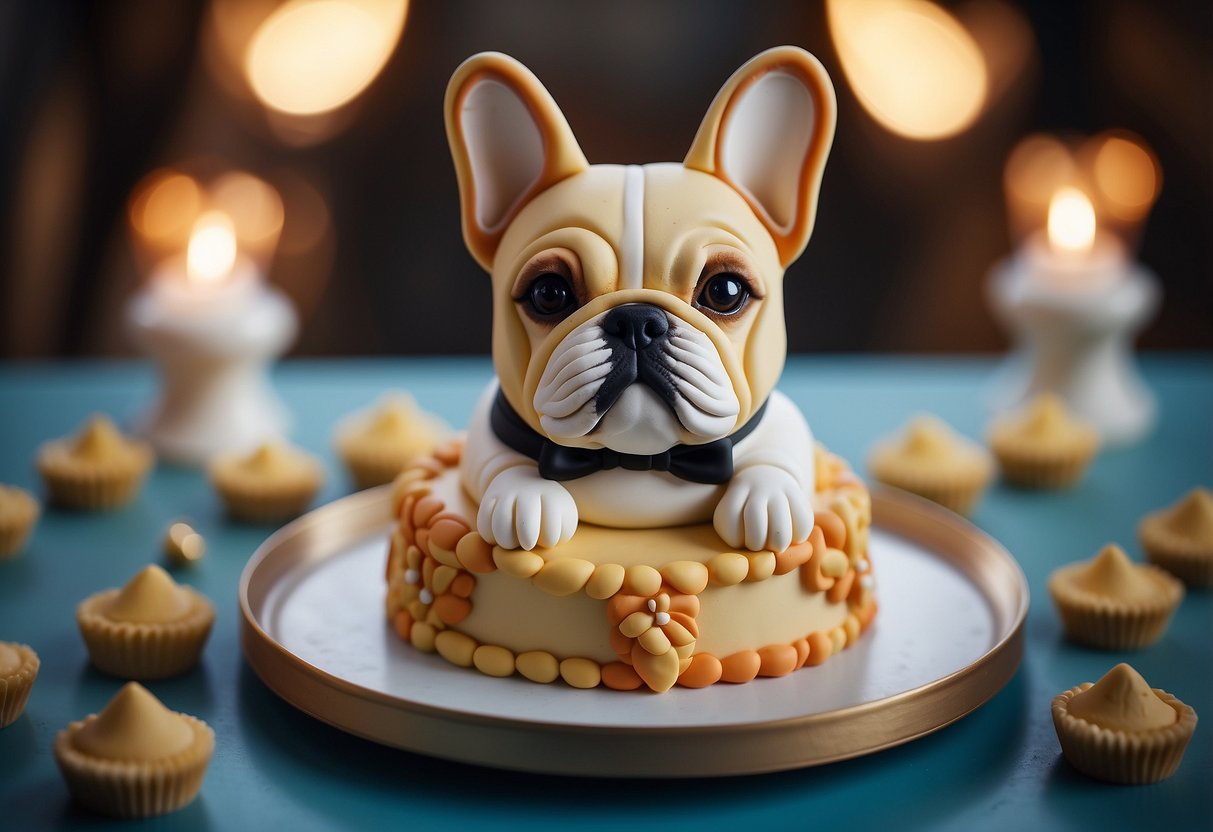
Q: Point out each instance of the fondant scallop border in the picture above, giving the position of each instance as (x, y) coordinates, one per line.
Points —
(434, 553)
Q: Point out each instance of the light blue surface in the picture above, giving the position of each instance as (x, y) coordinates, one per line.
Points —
(276, 768)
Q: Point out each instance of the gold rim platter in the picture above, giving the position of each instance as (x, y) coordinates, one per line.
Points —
(662, 747)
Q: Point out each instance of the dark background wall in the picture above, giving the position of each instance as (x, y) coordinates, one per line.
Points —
(95, 96)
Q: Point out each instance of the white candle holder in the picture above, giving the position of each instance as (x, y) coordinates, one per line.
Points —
(1074, 338)
(212, 346)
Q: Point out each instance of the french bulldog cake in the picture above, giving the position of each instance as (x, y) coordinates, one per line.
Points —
(635, 505)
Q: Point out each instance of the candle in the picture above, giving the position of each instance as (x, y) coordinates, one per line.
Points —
(213, 325)
(1073, 301)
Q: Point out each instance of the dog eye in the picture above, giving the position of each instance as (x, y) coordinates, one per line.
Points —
(551, 295)
(725, 294)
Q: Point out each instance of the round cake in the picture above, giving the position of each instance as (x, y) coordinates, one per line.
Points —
(626, 608)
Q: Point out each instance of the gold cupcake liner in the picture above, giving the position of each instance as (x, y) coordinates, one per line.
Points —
(267, 505)
(1184, 559)
(135, 789)
(143, 651)
(369, 470)
(1130, 757)
(93, 490)
(15, 688)
(1042, 470)
(959, 495)
(1112, 625)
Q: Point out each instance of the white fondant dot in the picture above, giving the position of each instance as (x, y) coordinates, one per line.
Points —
(412, 576)
(652, 605)
(662, 618)
(866, 581)
(426, 596)
(862, 565)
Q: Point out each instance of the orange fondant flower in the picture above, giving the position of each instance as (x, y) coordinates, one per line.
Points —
(655, 635)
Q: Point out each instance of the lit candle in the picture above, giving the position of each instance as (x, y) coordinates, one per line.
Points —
(213, 325)
(1072, 253)
(1073, 301)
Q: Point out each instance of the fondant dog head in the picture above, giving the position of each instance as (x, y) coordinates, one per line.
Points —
(636, 308)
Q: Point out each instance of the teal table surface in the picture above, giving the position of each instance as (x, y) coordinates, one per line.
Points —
(274, 767)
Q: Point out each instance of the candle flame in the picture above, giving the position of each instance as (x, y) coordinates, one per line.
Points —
(1071, 226)
(312, 56)
(212, 249)
(912, 65)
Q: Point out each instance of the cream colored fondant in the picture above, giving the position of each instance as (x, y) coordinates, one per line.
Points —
(1046, 421)
(134, 727)
(10, 660)
(758, 610)
(152, 596)
(99, 440)
(1123, 701)
(745, 197)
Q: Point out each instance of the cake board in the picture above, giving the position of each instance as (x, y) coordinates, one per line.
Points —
(949, 635)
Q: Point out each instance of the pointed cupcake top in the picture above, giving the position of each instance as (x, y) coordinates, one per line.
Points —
(152, 597)
(1123, 701)
(929, 438)
(1047, 418)
(10, 659)
(1192, 517)
(391, 418)
(1111, 573)
(134, 727)
(16, 503)
(98, 440)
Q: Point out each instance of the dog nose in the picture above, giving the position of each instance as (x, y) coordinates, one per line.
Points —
(638, 325)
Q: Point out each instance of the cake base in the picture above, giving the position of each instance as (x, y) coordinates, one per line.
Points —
(312, 629)
(626, 608)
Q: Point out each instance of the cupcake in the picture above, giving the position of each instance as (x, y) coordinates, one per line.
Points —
(136, 758)
(1113, 603)
(1121, 730)
(1044, 446)
(18, 670)
(273, 483)
(931, 460)
(379, 444)
(18, 513)
(149, 629)
(1180, 538)
(97, 469)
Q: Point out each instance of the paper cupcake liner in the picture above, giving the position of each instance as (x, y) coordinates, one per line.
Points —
(144, 650)
(267, 505)
(1041, 471)
(1106, 624)
(1130, 757)
(959, 496)
(135, 789)
(369, 470)
(14, 537)
(95, 491)
(1184, 559)
(15, 688)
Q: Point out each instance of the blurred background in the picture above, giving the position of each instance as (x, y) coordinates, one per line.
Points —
(310, 132)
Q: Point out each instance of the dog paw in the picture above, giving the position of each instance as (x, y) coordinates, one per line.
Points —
(763, 508)
(521, 510)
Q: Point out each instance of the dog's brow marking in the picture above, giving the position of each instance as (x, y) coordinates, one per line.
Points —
(632, 256)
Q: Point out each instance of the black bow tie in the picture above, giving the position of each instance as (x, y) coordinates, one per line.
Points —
(710, 463)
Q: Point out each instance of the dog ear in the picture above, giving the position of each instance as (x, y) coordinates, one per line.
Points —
(509, 141)
(767, 135)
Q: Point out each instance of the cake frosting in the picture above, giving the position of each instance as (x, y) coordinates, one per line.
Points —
(626, 609)
(1045, 446)
(379, 444)
(274, 482)
(96, 469)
